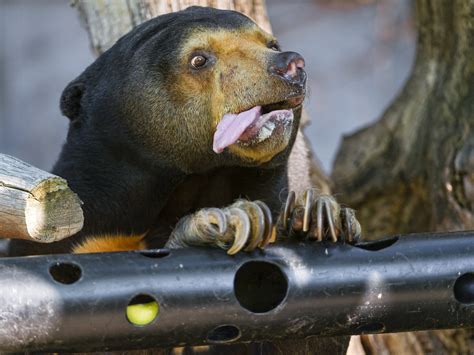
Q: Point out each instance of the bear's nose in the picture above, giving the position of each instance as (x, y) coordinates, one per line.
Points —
(289, 65)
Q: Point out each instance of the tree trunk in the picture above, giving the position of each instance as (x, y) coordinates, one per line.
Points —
(106, 21)
(413, 170)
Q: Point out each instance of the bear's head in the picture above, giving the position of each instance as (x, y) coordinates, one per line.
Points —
(195, 90)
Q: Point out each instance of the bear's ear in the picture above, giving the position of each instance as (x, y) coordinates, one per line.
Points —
(70, 102)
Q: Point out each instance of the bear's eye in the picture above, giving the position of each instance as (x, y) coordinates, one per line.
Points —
(198, 61)
(274, 46)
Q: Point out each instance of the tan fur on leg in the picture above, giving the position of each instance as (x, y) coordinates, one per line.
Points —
(110, 243)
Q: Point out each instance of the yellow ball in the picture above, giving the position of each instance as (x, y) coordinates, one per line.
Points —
(143, 313)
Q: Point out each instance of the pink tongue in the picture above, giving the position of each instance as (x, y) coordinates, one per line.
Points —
(231, 127)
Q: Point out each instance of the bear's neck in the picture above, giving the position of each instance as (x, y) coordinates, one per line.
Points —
(120, 193)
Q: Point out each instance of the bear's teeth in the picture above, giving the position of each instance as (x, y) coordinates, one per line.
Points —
(265, 132)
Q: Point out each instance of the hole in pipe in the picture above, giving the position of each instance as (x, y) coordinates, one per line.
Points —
(260, 286)
(464, 288)
(142, 310)
(155, 253)
(377, 244)
(376, 327)
(223, 334)
(65, 273)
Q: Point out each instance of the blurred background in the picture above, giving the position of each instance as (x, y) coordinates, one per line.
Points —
(358, 55)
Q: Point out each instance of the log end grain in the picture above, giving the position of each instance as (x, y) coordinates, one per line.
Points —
(53, 211)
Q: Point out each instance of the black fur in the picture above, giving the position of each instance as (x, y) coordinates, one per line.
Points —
(129, 184)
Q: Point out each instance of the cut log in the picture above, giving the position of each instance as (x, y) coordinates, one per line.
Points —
(36, 205)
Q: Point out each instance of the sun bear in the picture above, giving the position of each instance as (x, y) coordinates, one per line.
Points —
(180, 135)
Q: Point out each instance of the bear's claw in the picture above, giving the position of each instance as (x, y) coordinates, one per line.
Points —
(319, 217)
(244, 225)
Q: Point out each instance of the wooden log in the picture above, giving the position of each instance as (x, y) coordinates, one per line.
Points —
(36, 205)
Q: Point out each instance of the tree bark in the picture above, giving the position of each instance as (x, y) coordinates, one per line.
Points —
(413, 169)
(36, 205)
(106, 21)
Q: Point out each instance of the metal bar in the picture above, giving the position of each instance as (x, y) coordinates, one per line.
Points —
(79, 302)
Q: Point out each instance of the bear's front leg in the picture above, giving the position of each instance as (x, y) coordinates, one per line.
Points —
(244, 225)
(318, 217)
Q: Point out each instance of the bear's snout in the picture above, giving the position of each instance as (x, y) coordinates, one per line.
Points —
(290, 67)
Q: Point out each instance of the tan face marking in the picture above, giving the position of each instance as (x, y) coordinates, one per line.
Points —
(234, 79)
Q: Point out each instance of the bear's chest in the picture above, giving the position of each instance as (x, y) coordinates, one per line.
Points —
(200, 191)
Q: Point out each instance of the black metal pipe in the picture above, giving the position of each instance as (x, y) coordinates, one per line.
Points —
(79, 302)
